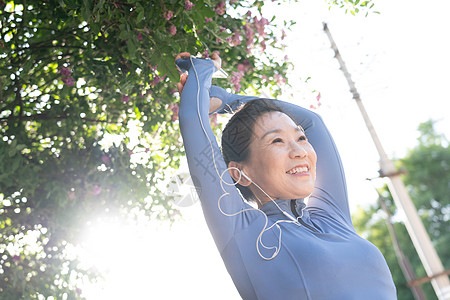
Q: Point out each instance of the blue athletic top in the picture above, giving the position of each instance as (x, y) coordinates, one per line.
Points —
(321, 257)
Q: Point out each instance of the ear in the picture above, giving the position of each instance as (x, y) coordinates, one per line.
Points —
(236, 174)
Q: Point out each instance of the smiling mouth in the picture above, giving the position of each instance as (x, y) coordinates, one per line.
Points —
(298, 170)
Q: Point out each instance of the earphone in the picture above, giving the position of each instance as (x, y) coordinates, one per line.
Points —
(242, 174)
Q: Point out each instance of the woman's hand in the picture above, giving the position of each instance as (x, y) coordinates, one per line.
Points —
(215, 102)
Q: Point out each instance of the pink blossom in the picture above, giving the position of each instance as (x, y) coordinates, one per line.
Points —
(78, 291)
(172, 91)
(96, 190)
(220, 8)
(168, 14)
(156, 80)
(244, 66)
(249, 33)
(312, 107)
(106, 159)
(318, 97)
(218, 40)
(286, 58)
(222, 29)
(213, 120)
(207, 20)
(174, 108)
(188, 5)
(283, 34)
(206, 54)
(236, 39)
(249, 14)
(279, 78)
(16, 258)
(236, 78)
(172, 29)
(263, 46)
(264, 78)
(139, 36)
(68, 81)
(65, 72)
(125, 98)
(260, 25)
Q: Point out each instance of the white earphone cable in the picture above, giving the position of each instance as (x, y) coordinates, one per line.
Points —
(265, 228)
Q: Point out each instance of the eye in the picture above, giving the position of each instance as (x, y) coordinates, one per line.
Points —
(277, 140)
(302, 138)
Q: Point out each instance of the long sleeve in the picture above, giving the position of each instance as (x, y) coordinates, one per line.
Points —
(331, 263)
(330, 191)
(205, 160)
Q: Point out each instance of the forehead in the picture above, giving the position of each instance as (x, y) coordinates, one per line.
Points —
(272, 121)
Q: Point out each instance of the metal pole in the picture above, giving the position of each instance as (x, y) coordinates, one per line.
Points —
(414, 225)
(403, 261)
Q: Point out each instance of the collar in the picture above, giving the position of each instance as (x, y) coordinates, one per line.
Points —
(271, 209)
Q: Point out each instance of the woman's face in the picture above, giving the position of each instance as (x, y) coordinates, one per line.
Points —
(282, 161)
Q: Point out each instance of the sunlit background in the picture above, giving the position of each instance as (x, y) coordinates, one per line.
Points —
(400, 63)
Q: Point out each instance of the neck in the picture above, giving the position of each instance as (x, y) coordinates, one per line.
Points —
(263, 199)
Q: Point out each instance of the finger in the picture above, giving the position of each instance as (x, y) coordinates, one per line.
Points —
(180, 87)
(183, 79)
(215, 54)
(182, 55)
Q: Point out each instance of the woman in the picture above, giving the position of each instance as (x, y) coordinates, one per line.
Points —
(272, 151)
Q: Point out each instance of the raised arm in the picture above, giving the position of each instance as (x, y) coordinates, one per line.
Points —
(330, 192)
(204, 157)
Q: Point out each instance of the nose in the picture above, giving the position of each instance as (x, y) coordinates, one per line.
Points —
(297, 151)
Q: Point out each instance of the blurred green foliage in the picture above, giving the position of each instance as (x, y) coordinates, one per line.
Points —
(427, 180)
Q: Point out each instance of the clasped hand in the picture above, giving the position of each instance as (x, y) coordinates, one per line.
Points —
(214, 102)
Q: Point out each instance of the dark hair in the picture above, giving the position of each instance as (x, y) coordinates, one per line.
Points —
(238, 134)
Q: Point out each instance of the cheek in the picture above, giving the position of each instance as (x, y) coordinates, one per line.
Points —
(265, 162)
(313, 156)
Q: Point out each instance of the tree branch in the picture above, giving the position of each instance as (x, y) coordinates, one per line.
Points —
(46, 117)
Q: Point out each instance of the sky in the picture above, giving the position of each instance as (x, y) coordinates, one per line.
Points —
(400, 62)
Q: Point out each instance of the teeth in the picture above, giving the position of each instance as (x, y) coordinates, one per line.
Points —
(298, 170)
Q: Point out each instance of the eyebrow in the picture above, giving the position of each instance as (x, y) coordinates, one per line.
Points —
(297, 128)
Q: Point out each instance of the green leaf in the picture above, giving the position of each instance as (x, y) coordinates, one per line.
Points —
(86, 10)
(124, 34)
(141, 16)
(131, 48)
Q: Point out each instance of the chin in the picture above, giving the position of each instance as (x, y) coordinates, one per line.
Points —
(305, 194)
